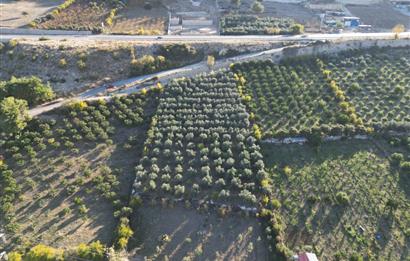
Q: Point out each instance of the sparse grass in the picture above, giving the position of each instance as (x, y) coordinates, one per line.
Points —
(342, 198)
(74, 173)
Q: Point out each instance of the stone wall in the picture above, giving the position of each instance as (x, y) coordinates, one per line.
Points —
(331, 48)
(18, 31)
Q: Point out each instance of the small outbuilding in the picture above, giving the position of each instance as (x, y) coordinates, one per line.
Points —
(351, 21)
(306, 256)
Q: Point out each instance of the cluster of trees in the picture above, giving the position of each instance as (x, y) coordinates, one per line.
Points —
(16, 95)
(256, 7)
(201, 139)
(10, 190)
(252, 24)
(294, 99)
(129, 110)
(377, 84)
(81, 121)
(31, 89)
(94, 251)
(168, 56)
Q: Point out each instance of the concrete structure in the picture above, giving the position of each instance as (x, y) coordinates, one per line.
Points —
(306, 257)
(351, 21)
(174, 21)
(400, 2)
(186, 23)
(196, 22)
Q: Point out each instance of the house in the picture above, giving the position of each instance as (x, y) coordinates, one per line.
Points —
(351, 21)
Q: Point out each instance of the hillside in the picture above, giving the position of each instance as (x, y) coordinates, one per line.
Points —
(204, 167)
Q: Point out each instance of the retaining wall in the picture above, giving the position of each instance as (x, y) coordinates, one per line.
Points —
(18, 31)
(335, 47)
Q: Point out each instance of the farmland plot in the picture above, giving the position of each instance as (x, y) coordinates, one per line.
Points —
(292, 99)
(73, 171)
(347, 199)
(378, 85)
(200, 144)
(251, 24)
(357, 92)
(81, 15)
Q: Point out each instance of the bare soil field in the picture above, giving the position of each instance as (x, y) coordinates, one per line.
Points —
(381, 16)
(82, 15)
(48, 211)
(187, 6)
(135, 19)
(295, 11)
(298, 12)
(178, 233)
(15, 14)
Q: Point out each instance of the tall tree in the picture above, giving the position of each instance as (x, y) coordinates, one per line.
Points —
(13, 115)
(258, 7)
(397, 29)
(210, 61)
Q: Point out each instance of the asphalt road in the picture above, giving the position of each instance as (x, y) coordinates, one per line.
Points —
(134, 84)
(212, 38)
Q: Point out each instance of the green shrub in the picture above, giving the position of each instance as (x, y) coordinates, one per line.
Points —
(44, 253)
(30, 89)
(14, 256)
(396, 158)
(93, 251)
(405, 167)
(13, 115)
(342, 198)
(62, 63)
(124, 232)
(81, 65)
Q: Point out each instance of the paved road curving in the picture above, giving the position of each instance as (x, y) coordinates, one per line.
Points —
(4, 36)
(135, 84)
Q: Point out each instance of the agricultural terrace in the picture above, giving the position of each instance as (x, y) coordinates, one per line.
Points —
(252, 24)
(201, 144)
(69, 174)
(345, 200)
(351, 93)
(377, 84)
